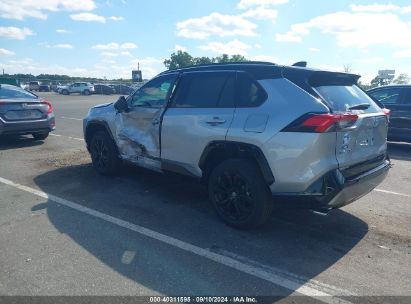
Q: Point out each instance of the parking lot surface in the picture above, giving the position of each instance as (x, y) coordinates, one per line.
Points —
(65, 230)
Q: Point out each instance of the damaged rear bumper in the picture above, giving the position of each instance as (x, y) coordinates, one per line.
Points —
(334, 190)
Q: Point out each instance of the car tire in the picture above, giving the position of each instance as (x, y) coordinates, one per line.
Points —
(239, 194)
(40, 136)
(86, 92)
(104, 154)
(65, 92)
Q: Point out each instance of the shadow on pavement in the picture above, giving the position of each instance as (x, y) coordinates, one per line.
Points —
(399, 150)
(8, 142)
(295, 241)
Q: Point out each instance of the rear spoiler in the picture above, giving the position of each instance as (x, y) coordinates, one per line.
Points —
(324, 78)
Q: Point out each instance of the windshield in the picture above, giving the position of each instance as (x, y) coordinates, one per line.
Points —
(11, 92)
(342, 98)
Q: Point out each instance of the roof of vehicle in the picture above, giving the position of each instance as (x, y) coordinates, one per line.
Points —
(391, 86)
(261, 69)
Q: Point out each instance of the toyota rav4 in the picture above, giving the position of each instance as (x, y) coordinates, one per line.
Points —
(256, 133)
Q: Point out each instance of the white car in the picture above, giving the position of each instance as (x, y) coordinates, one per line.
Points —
(83, 88)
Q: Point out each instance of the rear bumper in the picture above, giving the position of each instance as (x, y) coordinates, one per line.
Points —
(27, 127)
(334, 191)
(354, 189)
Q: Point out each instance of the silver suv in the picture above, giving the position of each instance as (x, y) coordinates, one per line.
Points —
(256, 133)
(83, 88)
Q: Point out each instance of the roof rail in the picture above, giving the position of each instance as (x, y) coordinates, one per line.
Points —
(222, 64)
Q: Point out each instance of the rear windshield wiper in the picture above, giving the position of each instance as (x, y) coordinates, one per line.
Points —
(360, 106)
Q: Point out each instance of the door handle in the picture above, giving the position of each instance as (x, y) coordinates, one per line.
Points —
(216, 121)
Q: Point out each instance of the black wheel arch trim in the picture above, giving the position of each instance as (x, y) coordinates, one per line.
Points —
(246, 149)
(100, 123)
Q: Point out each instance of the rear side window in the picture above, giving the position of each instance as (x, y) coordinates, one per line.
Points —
(387, 96)
(205, 90)
(407, 98)
(341, 98)
(10, 92)
(250, 93)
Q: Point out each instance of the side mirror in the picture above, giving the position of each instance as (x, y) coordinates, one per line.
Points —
(121, 105)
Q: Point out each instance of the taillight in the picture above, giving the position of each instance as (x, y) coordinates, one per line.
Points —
(387, 112)
(321, 123)
(50, 107)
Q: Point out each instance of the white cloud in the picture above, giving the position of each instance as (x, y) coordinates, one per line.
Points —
(115, 46)
(180, 48)
(5, 52)
(63, 46)
(261, 13)
(12, 9)
(266, 58)
(244, 4)
(231, 48)
(62, 31)
(288, 37)
(380, 8)
(90, 17)
(15, 32)
(314, 50)
(359, 30)
(370, 60)
(116, 18)
(402, 54)
(215, 24)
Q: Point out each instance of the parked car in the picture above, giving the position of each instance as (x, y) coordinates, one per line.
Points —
(54, 85)
(83, 88)
(251, 131)
(34, 85)
(396, 98)
(22, 112)
(44, 87)
(103, 89)
(122, 89)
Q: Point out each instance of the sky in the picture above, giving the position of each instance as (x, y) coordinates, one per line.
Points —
(109, 38)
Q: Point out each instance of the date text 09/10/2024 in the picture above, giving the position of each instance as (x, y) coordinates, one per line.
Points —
(202, 299)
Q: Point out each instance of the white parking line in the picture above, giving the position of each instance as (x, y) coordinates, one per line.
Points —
(71, 118)
(322, 292)
(70, 137)
(392, 192)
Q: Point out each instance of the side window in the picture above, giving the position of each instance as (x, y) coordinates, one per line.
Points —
(407, 97)
(154, 93)
(387, 96)
(250, 93)
(206, 90)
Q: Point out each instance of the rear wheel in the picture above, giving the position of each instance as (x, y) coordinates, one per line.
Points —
(240, 194)
(103, 154)
(40, 136)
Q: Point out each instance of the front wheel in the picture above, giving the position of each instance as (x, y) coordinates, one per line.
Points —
(240, 194)
(65, 92)
(86, 92)
(103, 154)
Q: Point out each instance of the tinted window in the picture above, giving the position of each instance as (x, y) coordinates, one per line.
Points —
(341, 98)
(250, 93)
(407, 98)
(7, 92)
(387, 96)
(206, 90)
(154, 93)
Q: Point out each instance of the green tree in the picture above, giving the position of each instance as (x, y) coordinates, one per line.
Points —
(402, 79)
(203, 60)
(183, 59)
(179, 60)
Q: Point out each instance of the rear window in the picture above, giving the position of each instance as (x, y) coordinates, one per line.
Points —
(11, 92)
(341, 98)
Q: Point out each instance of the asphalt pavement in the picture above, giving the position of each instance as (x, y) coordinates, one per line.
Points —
(65, 230)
